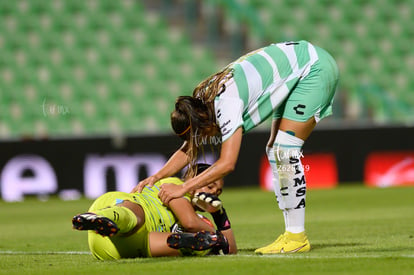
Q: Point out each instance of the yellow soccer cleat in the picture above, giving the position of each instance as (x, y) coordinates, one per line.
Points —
(287, 243)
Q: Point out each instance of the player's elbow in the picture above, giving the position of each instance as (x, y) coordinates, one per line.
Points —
(228, 167)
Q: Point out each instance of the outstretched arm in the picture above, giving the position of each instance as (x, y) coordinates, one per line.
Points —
(175, 164)
(223, 166)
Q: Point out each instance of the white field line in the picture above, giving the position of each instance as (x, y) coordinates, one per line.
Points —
(310, 256)
(288, 256)
(11, 252)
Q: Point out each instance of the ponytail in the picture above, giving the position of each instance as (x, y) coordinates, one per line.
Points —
(194, 116)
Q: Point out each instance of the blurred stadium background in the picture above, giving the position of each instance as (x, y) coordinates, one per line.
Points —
(75, 68)
(103, 67)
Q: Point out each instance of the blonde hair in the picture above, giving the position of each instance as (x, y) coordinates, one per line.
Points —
(213, 86)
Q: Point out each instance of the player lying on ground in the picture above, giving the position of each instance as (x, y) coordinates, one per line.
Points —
(130, 225)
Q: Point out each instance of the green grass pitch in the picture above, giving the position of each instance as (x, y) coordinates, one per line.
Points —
(352, 230)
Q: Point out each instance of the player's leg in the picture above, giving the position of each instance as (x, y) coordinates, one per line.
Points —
(292, 182)
(289, 182)
(102, 248)
(187, 244)
(270, 153)
(128, 216)
(158, 246)
(111, 213)
(119, 247)
(308, 103)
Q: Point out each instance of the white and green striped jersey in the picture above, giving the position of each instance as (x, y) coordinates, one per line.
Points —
(261, 82)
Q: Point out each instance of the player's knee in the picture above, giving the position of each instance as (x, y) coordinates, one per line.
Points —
(287, 156)
(287, 148)
(102, 248)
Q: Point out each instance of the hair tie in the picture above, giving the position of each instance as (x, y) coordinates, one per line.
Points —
(185, 131)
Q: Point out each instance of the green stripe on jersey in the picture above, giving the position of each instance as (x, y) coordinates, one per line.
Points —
(280, 59)
(248, 123)
(241, 83)
(265, 106)
(265, 109)
(302, 55)
(263, 67)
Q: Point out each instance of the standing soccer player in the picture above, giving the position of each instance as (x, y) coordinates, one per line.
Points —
(293, 81)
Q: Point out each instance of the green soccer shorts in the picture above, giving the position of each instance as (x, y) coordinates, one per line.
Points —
(313, 95)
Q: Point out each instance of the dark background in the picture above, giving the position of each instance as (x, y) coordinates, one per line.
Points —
(350, 147)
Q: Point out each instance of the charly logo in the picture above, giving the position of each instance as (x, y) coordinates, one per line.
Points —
(298, 109)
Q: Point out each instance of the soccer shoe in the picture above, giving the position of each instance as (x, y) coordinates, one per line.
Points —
(199, 241)
(100, 224)
(287, 243)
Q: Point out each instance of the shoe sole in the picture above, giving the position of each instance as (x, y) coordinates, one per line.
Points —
(196, 241)
(101, 225)
(300, 249)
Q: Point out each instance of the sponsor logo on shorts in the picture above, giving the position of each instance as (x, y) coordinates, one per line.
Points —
(298, 108)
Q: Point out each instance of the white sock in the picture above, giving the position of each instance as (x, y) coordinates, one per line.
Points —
(292, 184)
(270, 152)
(294, 220)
